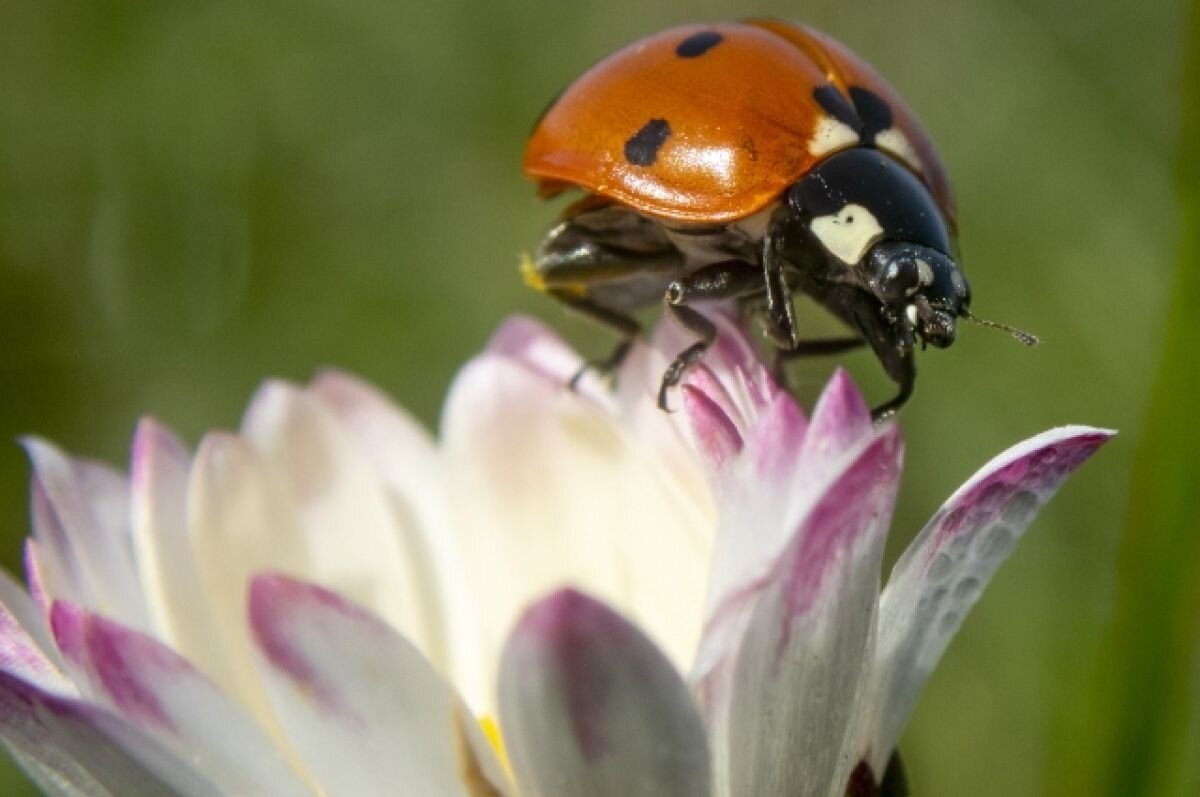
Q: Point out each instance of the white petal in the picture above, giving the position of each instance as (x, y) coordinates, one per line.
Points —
(766, 493)
(346, 523)
(25, 638)
(945, 568)
(531, 343)
(85, 515)
(409, 467)
(69, 747)
(361, 705)
(787, 466)
(591, 708)
(240, 521)
(801, 663)
(166, 562)
(157, 691)
(548, 488)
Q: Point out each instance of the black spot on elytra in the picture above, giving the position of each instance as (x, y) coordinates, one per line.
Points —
(875, 114)
(642, 147)
(837, 106)
(698, 44)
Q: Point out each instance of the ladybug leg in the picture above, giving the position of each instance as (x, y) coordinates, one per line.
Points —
(594, 262)
(729, 279)
(569, 276)
(821, 347)
(780, 325)
(908, 378)
(695, 322)
(811, 348)
(625, 326)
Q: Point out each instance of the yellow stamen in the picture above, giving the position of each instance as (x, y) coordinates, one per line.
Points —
(470, 769)
(492, 731)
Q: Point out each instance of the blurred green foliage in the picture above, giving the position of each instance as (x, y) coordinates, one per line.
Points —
(194, 196)
(1145, 692)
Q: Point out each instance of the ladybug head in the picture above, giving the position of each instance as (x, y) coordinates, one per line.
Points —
(922, 284)
(881, 228)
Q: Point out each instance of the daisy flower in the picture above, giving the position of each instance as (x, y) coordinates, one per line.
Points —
(566, 593)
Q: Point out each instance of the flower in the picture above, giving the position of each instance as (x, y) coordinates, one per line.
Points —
(673, 604)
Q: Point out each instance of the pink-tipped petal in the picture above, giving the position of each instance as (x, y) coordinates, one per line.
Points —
(591, 708)
(840, 418)
(778, 437)
(535, 346)
(70, 747)
(360, 704)
(715, 434)
(50, 559)
(24, 624)
(801, 662)
(758, 385)
(765, 496)
(22, 657)
(159, 692)
(35, 577)
(90, 504)
(701, 379)
(67, 623)
(945, 568)
(732, 350)
(745, 386)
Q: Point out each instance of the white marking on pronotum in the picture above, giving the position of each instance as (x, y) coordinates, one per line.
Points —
(911, 312)
(896, 143)
(848, 233)
(831, 135)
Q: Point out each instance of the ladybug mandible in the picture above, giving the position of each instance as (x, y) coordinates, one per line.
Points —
(746, 161)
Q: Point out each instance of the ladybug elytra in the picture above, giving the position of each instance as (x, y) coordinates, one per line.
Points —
(745, 162)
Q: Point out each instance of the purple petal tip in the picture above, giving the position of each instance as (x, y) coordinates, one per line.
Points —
(565, 614)
(67, 626)
(852, 506)
(278, 602)
(840, 417)
(565, 636)
(123, 660)
(516, 333)
(843, 394)
(119, 659)
(715, 432)
(1012, 488)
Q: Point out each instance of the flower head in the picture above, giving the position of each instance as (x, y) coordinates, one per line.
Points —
(329, 602)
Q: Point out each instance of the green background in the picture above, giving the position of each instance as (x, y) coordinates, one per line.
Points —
(194, 196)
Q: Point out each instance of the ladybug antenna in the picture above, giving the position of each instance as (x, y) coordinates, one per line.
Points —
(1019, 334)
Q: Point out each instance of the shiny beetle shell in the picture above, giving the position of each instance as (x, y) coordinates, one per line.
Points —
(712, 123)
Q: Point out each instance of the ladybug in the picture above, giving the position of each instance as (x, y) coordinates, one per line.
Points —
(745, 162)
